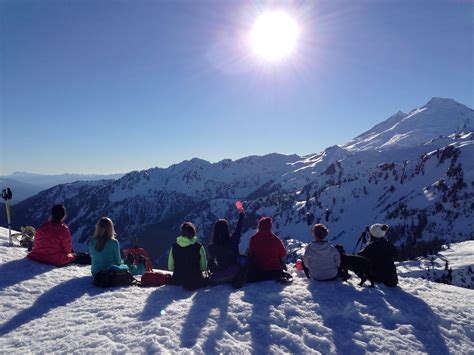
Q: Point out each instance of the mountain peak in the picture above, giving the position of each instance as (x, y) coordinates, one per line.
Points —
(398, 114)
(437, 101)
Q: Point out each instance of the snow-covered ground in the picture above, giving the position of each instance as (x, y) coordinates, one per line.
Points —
(48, 309)
(458, 257)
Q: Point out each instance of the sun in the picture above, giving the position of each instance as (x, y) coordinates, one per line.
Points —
(274, 36)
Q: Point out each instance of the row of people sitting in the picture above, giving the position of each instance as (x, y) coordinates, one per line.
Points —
(188, 261)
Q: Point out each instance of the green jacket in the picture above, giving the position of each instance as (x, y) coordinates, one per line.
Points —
(184, 242)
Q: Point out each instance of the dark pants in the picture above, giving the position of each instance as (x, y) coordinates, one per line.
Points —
(255, 274)
(190, 283)
(82, 259)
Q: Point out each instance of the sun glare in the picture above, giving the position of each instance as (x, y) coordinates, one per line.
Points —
(274, 36)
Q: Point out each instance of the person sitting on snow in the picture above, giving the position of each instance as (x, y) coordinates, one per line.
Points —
(382, 254)
(53, 243)
(104, 249)
(321, 259)
(187, 259)
(266, 253)
(225, 261)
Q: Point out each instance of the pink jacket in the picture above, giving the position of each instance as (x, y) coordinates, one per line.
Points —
(52, 244)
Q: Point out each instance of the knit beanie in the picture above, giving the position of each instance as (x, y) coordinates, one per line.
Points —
(378, 230)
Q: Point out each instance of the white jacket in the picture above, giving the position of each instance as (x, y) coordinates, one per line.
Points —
(322, 260)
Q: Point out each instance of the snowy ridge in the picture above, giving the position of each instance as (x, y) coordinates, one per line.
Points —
(48, 309)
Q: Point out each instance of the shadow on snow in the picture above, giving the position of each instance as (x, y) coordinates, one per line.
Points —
(29, 270)
(337, 306)
(58, 296)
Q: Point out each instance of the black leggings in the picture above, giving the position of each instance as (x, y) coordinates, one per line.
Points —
(82, 259)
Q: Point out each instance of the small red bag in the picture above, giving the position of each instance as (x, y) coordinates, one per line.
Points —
(155, 278)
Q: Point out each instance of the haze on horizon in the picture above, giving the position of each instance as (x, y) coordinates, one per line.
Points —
(106, 87)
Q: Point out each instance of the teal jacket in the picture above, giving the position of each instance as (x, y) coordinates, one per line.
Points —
(184, 242)
(110, 255)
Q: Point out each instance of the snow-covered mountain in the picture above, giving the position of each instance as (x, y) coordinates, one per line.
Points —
(45, 309)
(438, 118)
(422, 185)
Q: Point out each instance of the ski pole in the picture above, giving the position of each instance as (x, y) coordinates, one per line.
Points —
(7, 196)
(362, 239)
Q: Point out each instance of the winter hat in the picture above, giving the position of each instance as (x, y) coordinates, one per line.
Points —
(265, 224)
(378, 230)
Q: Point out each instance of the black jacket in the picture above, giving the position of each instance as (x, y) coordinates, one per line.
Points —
(223, 256)
(382, 254)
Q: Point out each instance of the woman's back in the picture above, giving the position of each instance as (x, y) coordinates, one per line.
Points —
(224, 250)
(52, 244)
(109, 255)
(222, 256)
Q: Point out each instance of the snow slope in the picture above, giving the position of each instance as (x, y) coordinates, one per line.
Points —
(47, 309)
(459, 258)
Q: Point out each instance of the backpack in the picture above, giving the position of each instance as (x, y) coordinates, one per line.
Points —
(155, 278)
(138, 260)
(115, 277)
(26, 237)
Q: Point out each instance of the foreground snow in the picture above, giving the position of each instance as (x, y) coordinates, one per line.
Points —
(48, 309)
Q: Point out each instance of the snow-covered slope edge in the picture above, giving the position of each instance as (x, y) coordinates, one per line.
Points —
(47, 309)
(453, 265)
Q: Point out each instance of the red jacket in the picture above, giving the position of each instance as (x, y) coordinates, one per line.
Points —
(266, 250)
(52, 244)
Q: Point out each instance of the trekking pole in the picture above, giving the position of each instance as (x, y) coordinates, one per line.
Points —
(362, 239)
(7, 196)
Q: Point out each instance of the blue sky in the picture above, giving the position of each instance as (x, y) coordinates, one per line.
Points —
(115, 86)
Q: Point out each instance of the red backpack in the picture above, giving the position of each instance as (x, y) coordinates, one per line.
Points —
(155, 278)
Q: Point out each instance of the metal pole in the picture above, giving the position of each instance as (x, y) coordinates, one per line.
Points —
(7, 196)
(10, 240)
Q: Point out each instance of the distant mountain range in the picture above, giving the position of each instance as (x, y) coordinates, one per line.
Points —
(413, 171)
(25, 184)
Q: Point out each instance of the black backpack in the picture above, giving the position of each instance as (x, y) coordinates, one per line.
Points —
(113, 278)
